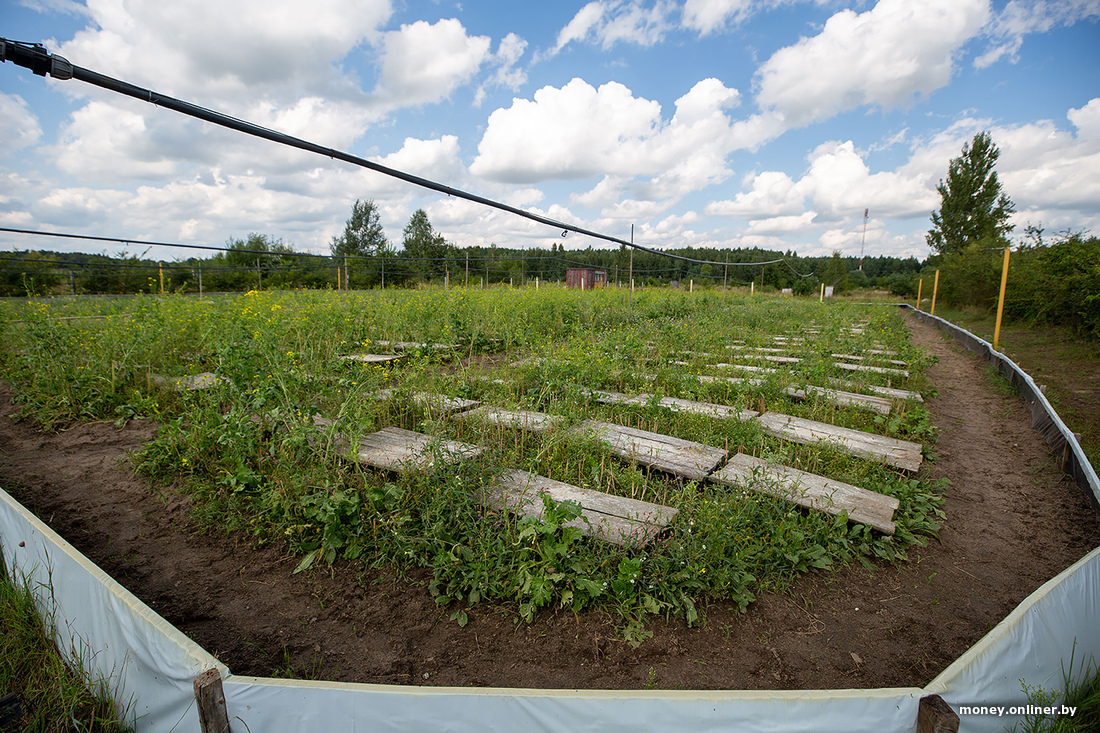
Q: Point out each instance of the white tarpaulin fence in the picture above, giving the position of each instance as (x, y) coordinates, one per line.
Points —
(151, 666)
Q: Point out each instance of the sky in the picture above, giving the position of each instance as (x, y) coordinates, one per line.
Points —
(702, 123)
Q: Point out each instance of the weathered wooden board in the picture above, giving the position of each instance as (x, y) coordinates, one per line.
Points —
(613, 519)
(811, 491)
(400, 450)
(731, 380)
(875, 369)
(664, 452)
(899, 453)
(897, 394)
(535, 422)
(414, 346)
(206, 380)
(373, 358)
(853, 357)
(880, 405)
(433, 402)
(745, 368)
(677, 405)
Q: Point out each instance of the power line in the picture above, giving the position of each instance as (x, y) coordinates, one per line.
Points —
(41, 62)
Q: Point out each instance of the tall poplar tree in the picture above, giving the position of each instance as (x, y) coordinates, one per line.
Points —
(973, 207)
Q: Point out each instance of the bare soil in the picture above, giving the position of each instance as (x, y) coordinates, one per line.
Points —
(1013, 522)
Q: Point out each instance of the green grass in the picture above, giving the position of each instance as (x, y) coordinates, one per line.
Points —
(54, 695)
(249, 454)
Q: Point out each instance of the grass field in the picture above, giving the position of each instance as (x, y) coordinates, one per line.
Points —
(249, 453)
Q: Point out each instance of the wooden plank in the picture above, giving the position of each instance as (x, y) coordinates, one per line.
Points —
(732, 380)
(899, 453)
(206, 380)
(613, 519)
(414, 346)
(432, 402)
(373, 358)
(811, 491)
(673, 455)
(675, 404)
(853, 357)
(400, 450)
(875, 369)
(745, 368)
(535, 422)
(897, 394)
(880, 405)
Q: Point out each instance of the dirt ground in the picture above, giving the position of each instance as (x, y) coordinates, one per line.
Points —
(1012, 523)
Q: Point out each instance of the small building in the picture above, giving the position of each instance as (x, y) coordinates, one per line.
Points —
(585, 278)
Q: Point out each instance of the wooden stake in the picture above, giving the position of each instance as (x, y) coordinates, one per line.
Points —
(936, 716)
(920, 286)
(210, 697)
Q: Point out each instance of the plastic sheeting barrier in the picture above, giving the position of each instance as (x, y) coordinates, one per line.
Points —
(1043, 416)
(148, 663)
(151, 665)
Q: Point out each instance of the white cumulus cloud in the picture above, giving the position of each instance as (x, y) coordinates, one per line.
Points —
(883, 57)
(424, 62)
(19, 127)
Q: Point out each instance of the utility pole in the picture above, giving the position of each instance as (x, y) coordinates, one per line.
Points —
(864, 240)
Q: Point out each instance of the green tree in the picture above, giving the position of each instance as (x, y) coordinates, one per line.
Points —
(363, 235)
(423, 243)
(973, 208)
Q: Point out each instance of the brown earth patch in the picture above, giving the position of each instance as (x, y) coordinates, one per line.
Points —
(1013, 522)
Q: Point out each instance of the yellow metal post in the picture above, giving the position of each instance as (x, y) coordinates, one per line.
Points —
(1001, 304)
(920, 286)
(161, 268)
(935, 289)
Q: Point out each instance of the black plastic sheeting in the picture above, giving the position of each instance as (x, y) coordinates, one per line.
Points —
(1061, 439)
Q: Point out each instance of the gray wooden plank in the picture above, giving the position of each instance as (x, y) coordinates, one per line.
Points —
(536, 422)
(432, 402)
(413, 346)
(900, 453)
(400, 450)
(373, 358)
(875, 369)
(677, 404)
(665, 452)
(745, 368)
(880, 405)
(893, 392)
(205, 380)
(615, 519)
(811, 491)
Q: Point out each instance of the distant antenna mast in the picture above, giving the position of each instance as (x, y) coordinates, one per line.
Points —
(864, 240)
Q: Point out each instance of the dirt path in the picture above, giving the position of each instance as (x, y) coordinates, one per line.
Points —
(1013, 522)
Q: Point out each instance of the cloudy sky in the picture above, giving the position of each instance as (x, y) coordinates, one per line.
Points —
(706, 123)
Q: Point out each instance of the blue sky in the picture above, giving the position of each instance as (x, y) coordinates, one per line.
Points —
(704, 123)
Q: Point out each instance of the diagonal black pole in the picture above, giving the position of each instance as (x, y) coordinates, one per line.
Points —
(40, 61)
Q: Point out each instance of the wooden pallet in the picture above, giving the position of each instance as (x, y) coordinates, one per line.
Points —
(811, 491)
(614, 519)
(899, 453)
(399, 450)
(664, 452)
